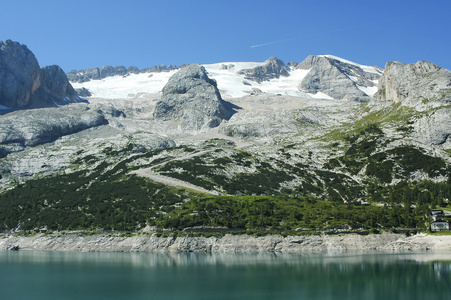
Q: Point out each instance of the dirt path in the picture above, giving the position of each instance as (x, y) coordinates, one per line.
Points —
(213, 133)
(148, 173)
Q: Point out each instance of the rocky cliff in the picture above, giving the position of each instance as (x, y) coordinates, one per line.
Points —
(193, 100)
(424, 87)
(414, 83)
(337, 78)
(23, 84)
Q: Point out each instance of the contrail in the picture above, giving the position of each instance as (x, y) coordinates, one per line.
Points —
(272, 43)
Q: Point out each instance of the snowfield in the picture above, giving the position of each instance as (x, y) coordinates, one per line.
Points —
(230, 83)
(130, 86)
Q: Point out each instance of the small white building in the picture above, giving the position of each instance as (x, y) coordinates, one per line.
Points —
(439, 226)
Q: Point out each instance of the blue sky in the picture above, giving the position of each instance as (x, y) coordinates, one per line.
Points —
(84, 34)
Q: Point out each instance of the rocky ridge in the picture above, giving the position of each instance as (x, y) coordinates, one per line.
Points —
(107, 71)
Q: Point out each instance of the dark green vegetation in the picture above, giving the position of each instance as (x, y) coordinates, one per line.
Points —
(93, 201)
(303, 195)
(287, 213)
(212, 174)
(104, 198)
(365, 157)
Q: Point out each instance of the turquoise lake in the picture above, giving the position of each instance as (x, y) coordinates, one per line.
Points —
(68, 275)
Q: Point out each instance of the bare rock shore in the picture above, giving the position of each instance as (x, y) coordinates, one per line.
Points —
(385, 242)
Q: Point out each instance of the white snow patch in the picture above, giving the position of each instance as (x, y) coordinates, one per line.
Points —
(321, 95)
(119, 87)
(370, 91)
(232, 83)
(228, 80)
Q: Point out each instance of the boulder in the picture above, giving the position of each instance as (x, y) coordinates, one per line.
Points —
(83, 92)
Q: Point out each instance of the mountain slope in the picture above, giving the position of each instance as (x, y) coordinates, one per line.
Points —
(258, 134)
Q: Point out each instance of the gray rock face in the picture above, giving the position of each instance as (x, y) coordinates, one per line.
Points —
(107, 71)
(160, 68)
(19, 74)
(23, 84)
(55, 88)
(193, 99)
(83, 92)
(133, 70)
(434, 128)
(336, 78)
(413, 83)
(272, 68)
(425, 87)
(266, 124)
(24, 128)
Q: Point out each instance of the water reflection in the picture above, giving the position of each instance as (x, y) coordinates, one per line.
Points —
(224, 259)
(227, 276)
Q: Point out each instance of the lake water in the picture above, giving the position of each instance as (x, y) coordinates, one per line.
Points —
(64, 275)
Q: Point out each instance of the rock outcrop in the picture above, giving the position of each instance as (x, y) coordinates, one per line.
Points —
(23, 84)
(434, 128)
(414, 83)
(425, 87)
(193, 100)
(337, 78)
(272, 68)
(33, 127)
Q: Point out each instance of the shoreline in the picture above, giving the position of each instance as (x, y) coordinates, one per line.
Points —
(340, 243)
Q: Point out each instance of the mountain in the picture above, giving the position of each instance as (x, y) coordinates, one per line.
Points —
(338, 78)
(193, 99)
(294, 141)
(326, 77)
(23, 84)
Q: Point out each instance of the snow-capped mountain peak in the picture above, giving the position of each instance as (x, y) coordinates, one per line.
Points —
(238, 79)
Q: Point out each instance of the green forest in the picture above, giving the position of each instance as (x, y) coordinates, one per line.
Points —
(92, 201)
(103, 195)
